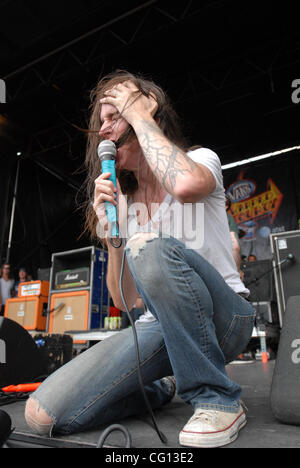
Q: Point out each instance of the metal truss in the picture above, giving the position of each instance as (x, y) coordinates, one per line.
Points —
(58, 138)
(145, 19)
(135, 24)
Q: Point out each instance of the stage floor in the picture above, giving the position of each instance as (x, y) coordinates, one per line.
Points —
(262, 430)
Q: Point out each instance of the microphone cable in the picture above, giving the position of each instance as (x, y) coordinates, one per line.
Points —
(112, 428)
(159, 433)
(116, 242)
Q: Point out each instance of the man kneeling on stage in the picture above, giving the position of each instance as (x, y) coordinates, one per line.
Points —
(197, 318)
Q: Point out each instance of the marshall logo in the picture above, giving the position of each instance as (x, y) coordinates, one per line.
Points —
(71, 277)
(76, 278)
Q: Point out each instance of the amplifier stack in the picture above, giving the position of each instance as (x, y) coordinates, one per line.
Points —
(78, 296)
(75, 298)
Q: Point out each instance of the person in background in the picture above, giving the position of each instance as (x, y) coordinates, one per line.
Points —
(252, 258)
(23, 277)
(6, 286)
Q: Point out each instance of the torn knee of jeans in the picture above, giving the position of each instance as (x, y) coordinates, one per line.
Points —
(138, 241)
(38, 419)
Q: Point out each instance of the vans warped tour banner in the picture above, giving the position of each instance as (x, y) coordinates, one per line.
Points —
(264, 201)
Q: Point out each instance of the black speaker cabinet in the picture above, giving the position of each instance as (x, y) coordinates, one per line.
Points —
(285, 395)
(20, 359)
(259, 279)
(286, 272)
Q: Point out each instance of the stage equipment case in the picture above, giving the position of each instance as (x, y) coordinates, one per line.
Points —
(286, 272)
(78, 297)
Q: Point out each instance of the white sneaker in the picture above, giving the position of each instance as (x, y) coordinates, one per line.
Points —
(208, 428)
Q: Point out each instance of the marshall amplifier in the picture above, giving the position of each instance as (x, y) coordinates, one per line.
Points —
(69, 279)
(78, 296)
(69, 311)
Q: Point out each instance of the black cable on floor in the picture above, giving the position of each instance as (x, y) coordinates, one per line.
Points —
(160, 434)
(117, 244)
(112, 428)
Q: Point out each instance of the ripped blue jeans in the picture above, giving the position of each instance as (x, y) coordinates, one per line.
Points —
(201, 325)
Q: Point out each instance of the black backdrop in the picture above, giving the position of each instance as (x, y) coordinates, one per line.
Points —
(47, 218)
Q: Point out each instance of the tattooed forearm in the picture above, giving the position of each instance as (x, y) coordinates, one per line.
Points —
(166, 160)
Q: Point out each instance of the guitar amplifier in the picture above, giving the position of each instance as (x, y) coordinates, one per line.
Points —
(76, 271)
(69, 311)
(33, 288)
(30, 312)
(75, 278)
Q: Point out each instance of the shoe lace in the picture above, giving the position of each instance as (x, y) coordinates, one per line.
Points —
(207, 416)
(210, 416)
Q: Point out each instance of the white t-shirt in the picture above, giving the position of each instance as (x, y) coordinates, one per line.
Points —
(5, 289)
(202, 226)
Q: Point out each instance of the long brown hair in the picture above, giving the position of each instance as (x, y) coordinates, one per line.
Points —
(165, 116)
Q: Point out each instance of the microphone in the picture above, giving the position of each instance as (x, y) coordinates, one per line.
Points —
(58, 307)
(289, 259)
(5, 427)
(107, 154)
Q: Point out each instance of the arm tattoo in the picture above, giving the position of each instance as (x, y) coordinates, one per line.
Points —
(165, 159)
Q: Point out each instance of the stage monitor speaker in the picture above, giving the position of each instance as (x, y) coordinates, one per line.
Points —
(69, 311)
(286, 272)
(263, 311)
(259, 279)
(20, 359)
(285, 395)
(30, 312)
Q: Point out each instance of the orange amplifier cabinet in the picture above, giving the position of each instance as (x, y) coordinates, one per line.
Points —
(33, 288)
(29, 312)
(69, 311)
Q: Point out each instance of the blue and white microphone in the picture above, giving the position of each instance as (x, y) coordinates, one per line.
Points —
(107, 152)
